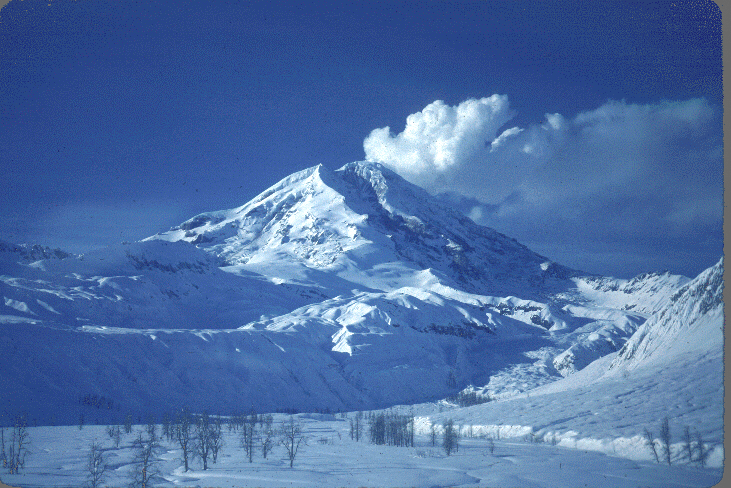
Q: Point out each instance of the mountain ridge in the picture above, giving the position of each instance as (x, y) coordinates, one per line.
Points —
(374, 217)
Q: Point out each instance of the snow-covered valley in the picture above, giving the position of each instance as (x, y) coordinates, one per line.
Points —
(331, 459)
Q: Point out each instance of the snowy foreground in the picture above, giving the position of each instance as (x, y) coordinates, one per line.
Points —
(330, 458)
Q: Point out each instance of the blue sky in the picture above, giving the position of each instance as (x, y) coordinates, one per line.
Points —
(119, 121)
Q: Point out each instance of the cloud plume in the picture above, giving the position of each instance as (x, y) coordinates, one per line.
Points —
(622, 181)
(442, 143)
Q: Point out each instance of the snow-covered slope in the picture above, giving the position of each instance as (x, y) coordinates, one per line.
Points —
(645, 293)
(143, 285)
(332, 289)
(691, 323)
(359, 222)
(672, 366)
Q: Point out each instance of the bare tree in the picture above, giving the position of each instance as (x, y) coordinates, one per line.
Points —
(248, 434)
(216, 437)
(291, 437)
(96, 466)
(449, 440)
(145, 462)
(232, 423)
(267, 436)
(167, 427)
(3, 454)
(356, 426)
(202, 441)
(458, 437)
(687, 445)
(410, 428)
(665, 439)
(651, 444)
(18, 446)
(184, 435)
(151, 428)
(115, 433)
(702, 453)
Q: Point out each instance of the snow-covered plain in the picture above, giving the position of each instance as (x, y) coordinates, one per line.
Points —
(354, 290)
(332, 459)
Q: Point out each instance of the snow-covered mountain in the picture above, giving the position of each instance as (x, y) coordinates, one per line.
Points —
(143, 286)
(344, 289)
(362, 223)
(691, 323)
(28, 254)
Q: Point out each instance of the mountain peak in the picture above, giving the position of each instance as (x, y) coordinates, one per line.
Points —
(358, 217)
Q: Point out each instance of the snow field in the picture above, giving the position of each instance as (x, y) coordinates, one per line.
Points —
(331, 458)
(609, 416)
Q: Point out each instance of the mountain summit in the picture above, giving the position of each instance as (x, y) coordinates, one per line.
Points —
(361, 220)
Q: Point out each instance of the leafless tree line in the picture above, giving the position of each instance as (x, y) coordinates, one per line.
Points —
(391, 428)
(694, 450)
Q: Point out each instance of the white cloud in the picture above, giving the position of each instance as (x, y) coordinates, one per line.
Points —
(503, 137)
(441, 143)
(649, 176)
(555, 121)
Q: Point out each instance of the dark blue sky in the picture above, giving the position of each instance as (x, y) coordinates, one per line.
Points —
(119, 120)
